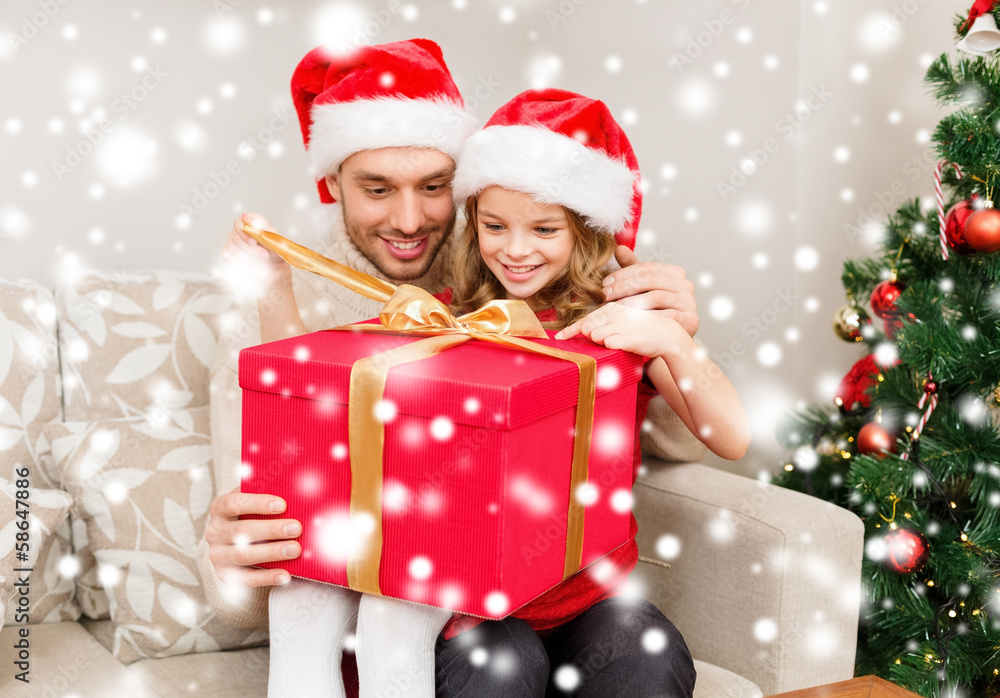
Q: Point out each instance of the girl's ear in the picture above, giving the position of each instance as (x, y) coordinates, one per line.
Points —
(333, 186)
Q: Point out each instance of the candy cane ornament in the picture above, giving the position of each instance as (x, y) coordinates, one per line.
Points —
(930, 388)
(940, 201)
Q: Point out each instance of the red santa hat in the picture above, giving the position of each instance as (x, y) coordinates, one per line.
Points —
(561, 148)
(394, 95)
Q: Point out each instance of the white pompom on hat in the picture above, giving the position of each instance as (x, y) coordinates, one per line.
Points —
(561, 148)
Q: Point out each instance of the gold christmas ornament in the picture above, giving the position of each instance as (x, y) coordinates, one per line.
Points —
(847, 322)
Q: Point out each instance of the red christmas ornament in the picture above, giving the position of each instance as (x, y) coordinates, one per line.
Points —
(906, 551)
(930, 387)
(853, 388)
(876, 440)
(884, 297)
(982, 230)
(892, 326)
(954, 222)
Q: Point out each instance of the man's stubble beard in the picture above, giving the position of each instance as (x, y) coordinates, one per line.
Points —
(361, 240)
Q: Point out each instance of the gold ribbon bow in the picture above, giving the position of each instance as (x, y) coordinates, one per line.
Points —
(413, 311)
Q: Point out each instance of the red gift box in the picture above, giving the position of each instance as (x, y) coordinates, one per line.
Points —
(478, 445)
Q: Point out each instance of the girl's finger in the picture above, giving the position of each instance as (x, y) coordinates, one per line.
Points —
(601, 333)
(570, 330)
(615, 341)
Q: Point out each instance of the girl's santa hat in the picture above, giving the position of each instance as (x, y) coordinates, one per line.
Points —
(394, 95)
(561, 148)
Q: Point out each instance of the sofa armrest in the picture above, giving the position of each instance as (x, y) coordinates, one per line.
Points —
(766, 582)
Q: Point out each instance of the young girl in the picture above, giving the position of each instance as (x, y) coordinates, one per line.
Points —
(550, 186)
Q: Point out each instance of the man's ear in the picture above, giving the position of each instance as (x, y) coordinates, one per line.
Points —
(333, 185)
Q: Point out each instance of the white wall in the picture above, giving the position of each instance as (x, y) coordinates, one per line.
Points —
(691, 123)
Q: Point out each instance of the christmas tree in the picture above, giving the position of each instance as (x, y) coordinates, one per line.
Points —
(912, 443)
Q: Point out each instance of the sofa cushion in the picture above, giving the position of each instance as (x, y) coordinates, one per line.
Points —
(101, 444)
(716, 682)
(142, 487)
(243, 673)
(29, 378)
(236, 674)
(44, 527)
(65, 660)
(130, 342)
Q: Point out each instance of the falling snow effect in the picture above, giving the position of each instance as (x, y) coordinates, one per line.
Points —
(668, 547)
(137, 157)
(765, 630)
(566, 678)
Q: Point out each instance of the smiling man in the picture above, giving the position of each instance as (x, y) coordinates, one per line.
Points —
(398, 211)
(382, 128)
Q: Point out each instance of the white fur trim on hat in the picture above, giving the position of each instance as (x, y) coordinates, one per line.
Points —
(343, 128)
(552, 168)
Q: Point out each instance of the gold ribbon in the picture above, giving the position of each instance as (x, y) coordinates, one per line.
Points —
(413, 311)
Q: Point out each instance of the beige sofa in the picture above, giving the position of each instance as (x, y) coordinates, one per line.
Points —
(762, 582)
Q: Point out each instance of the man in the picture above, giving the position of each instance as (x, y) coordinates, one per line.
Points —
(382, 128)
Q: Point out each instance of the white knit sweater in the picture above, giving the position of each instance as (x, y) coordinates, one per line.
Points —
(323, 304)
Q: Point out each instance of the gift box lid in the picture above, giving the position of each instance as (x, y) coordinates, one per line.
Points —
(480, 384)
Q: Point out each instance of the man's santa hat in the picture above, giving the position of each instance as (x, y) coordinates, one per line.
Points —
(561, 148)
(393, 95)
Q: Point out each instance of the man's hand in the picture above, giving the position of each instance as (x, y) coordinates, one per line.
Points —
(230, 540)
(653, 286)
(241, 249)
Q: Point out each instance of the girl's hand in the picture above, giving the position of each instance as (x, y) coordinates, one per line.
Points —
(616, 326)
(240, 248)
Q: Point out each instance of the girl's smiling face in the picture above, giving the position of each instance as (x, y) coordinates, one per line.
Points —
(526, 244)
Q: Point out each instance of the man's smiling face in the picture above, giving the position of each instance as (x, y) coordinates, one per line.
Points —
(397, 206)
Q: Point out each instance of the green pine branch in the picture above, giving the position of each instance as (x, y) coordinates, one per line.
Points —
(936, 630)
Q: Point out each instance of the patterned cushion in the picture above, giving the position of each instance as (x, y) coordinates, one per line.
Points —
(40, 532)
(29, 399)
(29, 378)
(137, 341)
(141, 488)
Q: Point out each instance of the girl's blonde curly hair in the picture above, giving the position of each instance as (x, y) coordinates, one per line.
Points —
(573, 294)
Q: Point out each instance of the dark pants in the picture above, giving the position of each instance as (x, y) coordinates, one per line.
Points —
(617, 647)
